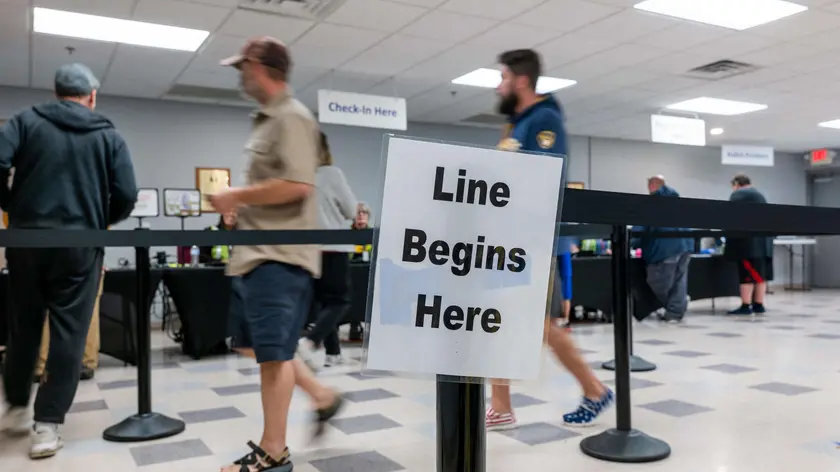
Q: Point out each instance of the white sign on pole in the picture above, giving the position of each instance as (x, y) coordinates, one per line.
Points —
(736, 155)
(356, 109)
(147, 205)
(677, 130)
(463, 260)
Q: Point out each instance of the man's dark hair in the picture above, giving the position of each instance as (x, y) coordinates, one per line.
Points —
(741, 180)
(523, 62)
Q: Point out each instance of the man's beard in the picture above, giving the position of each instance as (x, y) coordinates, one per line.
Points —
(507, 104)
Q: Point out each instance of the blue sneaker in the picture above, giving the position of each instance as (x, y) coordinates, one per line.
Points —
(589, 410)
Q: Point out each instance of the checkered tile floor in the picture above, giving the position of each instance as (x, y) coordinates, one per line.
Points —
(731, 395)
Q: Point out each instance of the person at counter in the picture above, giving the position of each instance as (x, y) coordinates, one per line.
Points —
(751, 253)
(361, 221)
(218, 254)
(666, 259)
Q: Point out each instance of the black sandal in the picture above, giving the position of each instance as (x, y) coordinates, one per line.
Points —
(323, 415)
(264, 462)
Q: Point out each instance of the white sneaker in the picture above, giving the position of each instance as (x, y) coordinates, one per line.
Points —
(16, 421)
(45, 441)
(306, 352)
(333, 360)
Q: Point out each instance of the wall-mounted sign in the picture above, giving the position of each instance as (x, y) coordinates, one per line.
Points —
(677, 130)
(356, 109)
(821, 157)
(736, 155)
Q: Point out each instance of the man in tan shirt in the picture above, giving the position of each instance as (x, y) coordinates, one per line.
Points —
(282, 156)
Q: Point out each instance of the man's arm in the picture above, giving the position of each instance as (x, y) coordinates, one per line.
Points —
(122, 184)
(296, 152)
(10, 141)
(546, 133)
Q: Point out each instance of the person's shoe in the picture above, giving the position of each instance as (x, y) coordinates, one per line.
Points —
(87, 373)
(589, 410)
(16, 421)
(742, 310)
(45, 441)
(759, 308)
(495, 421)
(333, 360)
(324, 415)
(670, 318)
(306, 352)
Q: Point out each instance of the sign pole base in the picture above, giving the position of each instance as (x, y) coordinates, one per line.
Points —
(629, 447)
(637, 364)
(461, 444)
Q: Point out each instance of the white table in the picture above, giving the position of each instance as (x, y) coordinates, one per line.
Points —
(790, 243)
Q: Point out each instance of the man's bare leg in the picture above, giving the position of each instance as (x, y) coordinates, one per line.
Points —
(747, 294)
(567, 353)
(760, 291)
(322, 397)
(278, 384)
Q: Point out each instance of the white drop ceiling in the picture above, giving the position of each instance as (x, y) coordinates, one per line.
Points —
(628, 63)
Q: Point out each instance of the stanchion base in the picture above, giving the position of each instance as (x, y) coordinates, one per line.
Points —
(628, 447)
(147, 427)
(637, 364)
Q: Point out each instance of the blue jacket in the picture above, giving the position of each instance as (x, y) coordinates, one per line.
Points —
(540, 128)
(655, 249)
(72, 169)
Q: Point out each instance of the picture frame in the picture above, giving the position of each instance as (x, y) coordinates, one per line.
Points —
(576, 185)
(181, 202)
(209, 181)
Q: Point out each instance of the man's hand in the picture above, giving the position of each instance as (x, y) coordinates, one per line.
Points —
(226, 201)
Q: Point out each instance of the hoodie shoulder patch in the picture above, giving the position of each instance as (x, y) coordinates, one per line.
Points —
(546, 139)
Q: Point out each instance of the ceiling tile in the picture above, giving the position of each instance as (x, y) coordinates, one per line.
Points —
(378, 15)
(669, 84)
(219, 47)
(570, 48)
(329, 45)
(777, 54)
(442, 97)
(111, 8)
(245, 23)
(762, 76)
(496, 9)
(802, 24)
(421, 3)
(453, 62)
(403, 87)
(182, 14)
(49, 53)
(678, 63)
(133, 87)
(146, 65)
(447, 26)
(217, 77)
(344, 81)
(564, 15)
(738, 43)
(395, 54)
(684, 36)
(607, 61)
(825, 40)
(507, 35)
(218, 3)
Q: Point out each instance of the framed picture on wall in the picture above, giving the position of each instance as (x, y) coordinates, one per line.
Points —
(209, 181)
(576, 185)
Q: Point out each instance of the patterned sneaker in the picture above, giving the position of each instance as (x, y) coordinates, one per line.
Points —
(332, 360)
(499, 421)
(589, 410)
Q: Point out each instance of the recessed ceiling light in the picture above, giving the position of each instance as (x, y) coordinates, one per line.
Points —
(491, 78)
(830, 124)
(716, 131)
(716, 106)
(100, 28)
(734, 14)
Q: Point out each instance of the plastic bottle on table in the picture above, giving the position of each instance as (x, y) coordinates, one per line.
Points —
(194, 252)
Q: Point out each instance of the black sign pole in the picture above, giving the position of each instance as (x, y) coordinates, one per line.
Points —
(461, 444)
(623, 443)
(145, 425)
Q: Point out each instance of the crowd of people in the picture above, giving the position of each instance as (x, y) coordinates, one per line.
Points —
(73, 170)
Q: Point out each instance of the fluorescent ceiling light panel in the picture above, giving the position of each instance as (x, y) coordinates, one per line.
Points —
(830, 124)
(716, 106)
(734, 14)
(491, 78)
(114, 30)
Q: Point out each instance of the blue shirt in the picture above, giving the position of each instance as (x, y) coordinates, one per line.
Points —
(540, 128)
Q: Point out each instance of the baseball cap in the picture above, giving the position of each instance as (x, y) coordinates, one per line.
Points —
(266, 50)
(75, 80)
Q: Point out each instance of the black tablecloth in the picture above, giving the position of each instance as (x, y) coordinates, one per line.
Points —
(118, 312)
(708, 277)
(202, 298)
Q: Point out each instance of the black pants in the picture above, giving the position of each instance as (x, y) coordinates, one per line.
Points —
(331, 301)
(65, 282)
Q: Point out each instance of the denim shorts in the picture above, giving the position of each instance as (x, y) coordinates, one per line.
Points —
(276, 299)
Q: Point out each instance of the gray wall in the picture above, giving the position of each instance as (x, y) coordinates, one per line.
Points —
(169, 140)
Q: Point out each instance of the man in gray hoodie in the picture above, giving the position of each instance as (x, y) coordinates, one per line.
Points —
(72, 171)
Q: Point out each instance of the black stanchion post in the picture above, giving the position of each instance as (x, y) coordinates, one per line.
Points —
(460, 426)
(145, 425)
(637, 364)
(623, 443)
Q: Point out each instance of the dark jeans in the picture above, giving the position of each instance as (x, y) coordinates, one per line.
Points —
(331, 301)
(669, 281)
(65, 282)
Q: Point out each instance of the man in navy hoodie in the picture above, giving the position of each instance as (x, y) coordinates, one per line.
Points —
(72, 170)
(536, 124)
(666, 260)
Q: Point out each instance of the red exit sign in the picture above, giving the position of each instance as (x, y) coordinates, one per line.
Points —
(821, 157)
